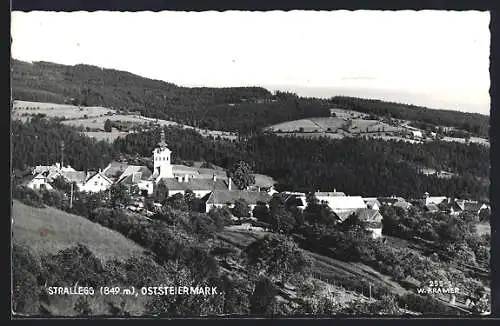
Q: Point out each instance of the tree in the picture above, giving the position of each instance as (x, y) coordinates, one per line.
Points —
(108, 126)
(281, 220)
(119, 195)
(160, 193)
(189, 198)
(278, 257)
(242, 175)
(177, 202)
(241, 208)
(263, 297)
(261, 212)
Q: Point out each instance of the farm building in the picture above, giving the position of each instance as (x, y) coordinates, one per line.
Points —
(220, 198)
(344, 206)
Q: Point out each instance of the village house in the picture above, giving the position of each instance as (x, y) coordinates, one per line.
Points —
(372, 221)
(221, 198)
(372, 203)
(40, 182)
(95, 182)
(436, 200)
(343, 206)
(458, 206)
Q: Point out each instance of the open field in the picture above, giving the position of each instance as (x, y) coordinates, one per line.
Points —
(106, 136)
(94, 118)
(342, 113)
(58, 110)
(48, 230)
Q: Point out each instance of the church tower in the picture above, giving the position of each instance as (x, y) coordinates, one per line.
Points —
(161, 159)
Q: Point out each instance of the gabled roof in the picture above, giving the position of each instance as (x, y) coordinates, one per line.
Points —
(114, 168)
(195, 184)
(342, 203)
(145, 172)
(93, 174)
(472, 207)
(74, 176)
(369, 215)
(432, 207)
(371, 201)
(222, 197)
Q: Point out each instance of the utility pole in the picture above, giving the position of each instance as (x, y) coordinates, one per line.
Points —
(370, 290)
(62, 153)
(71, 197)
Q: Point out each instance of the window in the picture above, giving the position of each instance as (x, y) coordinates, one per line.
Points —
(95, 183)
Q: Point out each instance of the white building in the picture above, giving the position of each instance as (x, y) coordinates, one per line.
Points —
(39, 182)
(162, 165)
(96, 182)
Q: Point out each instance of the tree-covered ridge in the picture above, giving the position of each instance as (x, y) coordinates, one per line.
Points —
(39, 142)
(357, 166)
(240, 109)
(475, 123)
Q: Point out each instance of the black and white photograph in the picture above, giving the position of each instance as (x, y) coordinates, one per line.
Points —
(250, 164)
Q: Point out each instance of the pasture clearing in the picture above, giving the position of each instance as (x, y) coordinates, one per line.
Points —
(48, 230)
(53, 110)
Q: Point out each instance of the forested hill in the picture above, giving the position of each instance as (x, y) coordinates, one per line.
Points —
(357, 166)
(474, 123)
(238, 109)
(241, 109)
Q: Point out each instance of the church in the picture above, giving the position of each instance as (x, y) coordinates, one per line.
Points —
(178, 178)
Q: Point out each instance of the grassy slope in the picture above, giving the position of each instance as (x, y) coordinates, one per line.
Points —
(65, 230)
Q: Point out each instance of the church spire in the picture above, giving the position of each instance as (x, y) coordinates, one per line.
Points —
(162, 139)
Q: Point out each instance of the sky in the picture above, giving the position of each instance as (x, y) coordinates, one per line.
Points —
(438, 59)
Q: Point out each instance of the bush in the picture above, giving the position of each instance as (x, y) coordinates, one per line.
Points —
(28, 196)
(26, 271)
(425, 305)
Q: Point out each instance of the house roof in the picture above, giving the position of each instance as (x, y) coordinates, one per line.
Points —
(114, 168)
(183, 169)
(342, 203)
(432, 207)
(145, 172)
(230, 196)
(402, 204)
(43, 168)
(329, 194)
(435, 199)
(472, 207)
(91, 175)
(371, 201)
(195, 184)
(74, 176)
(369, 215)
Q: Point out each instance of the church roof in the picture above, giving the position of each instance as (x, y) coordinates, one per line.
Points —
(183, 169)
(195, 184)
